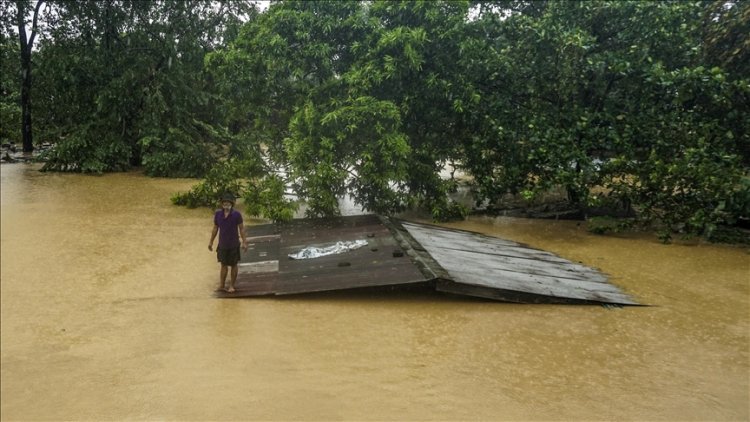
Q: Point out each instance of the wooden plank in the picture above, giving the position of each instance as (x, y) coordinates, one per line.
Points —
(265, 238)
(506, 295)
(503, 249)
(472, 259)
(267, 250)
(479, 259)
(261, 230)
(357, 268)
(253, 285)
(530, 283)
(430, 268)
(427, 236)
(443, 232)
(258, 267)
(350, 277)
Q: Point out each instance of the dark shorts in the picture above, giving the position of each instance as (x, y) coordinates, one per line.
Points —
(229, 256)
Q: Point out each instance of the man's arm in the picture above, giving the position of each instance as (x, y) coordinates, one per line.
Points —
(241, 228)
(213, 236)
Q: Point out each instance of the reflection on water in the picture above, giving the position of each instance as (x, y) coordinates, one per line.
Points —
(107, 314)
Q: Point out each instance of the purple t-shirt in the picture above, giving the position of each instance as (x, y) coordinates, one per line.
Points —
(228, 233)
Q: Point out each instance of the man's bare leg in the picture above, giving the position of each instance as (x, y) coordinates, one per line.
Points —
(223, 277)
(232, 279)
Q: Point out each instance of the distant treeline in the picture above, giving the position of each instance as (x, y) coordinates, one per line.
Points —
(641, 104)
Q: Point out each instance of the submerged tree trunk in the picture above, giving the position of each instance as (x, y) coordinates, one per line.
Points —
(26, 45)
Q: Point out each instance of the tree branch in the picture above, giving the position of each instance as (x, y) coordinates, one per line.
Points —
(21, 22)
(33, 24)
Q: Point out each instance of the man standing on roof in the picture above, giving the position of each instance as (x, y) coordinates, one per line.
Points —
(228, 224)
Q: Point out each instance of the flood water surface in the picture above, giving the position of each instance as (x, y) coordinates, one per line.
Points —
(107, 314)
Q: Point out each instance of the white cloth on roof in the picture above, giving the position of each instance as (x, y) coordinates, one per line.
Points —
(336, 248)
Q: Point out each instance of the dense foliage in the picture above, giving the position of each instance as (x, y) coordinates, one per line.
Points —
(639, 104)
(121, 83)
(10, 95)
(620, 95)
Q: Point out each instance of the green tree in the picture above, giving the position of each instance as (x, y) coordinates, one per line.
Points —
(411, 58)
(643, 104)
(134, 74)
(615, 94)
(26, 44)
(356, 148)
(10, 88)
(347, 87)
(281, 67)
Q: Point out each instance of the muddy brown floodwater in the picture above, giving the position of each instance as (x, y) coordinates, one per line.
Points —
(107, 314)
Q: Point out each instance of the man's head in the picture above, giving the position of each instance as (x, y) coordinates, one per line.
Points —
(227, 201)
